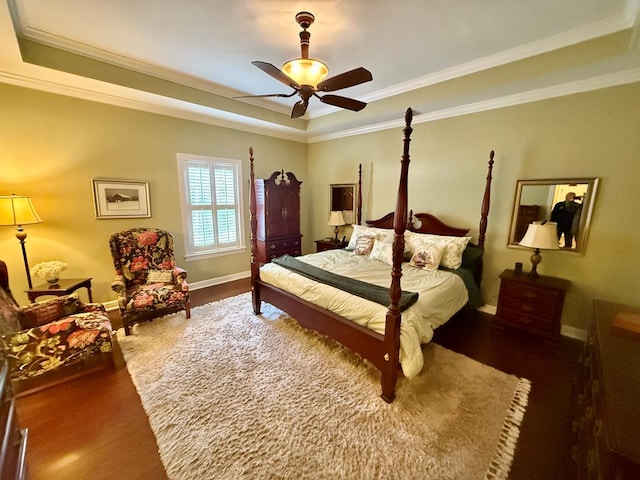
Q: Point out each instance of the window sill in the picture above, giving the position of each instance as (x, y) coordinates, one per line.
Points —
(192, 257)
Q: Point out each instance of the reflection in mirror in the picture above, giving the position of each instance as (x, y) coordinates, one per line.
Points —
(343, 198)
(568, 202)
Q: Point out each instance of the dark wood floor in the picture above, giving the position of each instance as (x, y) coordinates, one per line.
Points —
(94, 427)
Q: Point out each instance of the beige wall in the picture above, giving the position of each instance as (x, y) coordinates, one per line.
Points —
(52, 146)
(594, 134)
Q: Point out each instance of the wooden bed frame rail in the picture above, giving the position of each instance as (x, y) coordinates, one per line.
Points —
(383, 351)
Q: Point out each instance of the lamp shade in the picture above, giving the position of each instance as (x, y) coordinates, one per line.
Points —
(542, 236)
(17, 210)
(336, 219)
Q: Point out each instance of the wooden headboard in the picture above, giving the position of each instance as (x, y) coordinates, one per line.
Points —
(421, 223)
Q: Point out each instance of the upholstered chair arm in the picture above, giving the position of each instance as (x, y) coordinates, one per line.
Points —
(93, 307)
(180, 278)
(119, 286)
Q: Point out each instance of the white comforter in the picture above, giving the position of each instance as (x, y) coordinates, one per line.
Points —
(441, 295)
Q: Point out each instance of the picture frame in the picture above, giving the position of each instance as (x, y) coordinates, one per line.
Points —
(114, 198)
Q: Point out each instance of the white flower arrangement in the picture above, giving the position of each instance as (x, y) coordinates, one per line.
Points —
(50, 269)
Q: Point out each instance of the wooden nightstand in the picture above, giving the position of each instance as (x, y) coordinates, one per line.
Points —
(324, 244)
(531, 304)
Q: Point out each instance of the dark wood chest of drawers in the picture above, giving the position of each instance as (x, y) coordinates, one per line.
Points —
(278, 216)
(607, 399)
(531, 304)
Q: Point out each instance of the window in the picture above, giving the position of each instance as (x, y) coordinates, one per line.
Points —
(212, 211)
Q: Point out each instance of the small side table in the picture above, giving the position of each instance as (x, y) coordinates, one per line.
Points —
(531, 304)
(64, 287)
(324, 244)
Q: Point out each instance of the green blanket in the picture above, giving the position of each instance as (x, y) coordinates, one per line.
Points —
(361, 289)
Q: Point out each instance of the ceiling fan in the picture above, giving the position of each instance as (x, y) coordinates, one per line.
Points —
(305, 75)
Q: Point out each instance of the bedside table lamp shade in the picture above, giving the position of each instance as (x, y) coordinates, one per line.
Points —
(16, 210)
(539, 236)
(336, 220)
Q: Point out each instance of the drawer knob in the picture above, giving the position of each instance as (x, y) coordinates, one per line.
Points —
(525, 320)
(527, 308)
(272, 246)
(530, 294)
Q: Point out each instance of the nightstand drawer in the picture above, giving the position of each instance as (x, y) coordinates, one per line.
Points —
(530, 321)
(532, 294)
(540, 310)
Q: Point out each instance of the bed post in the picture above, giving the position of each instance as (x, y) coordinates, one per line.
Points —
(255, 266)
(359, 204)
(392, 327)
(486, 201)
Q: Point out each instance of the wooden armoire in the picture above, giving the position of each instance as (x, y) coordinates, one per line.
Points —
(278, 216)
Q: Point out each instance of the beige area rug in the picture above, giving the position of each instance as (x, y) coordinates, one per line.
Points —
(231, 395)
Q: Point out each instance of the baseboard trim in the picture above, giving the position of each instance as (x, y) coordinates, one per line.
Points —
(113, 304)
(219, 280)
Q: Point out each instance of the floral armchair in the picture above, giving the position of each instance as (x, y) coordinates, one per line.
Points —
(44, 336)
(148, 283)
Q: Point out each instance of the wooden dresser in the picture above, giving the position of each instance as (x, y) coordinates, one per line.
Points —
(278, 216)
(14, 440)
(607, 399)
(531, 304)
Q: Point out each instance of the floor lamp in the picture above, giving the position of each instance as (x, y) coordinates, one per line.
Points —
(16, 210)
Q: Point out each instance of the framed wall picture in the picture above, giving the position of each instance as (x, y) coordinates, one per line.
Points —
(121, 198)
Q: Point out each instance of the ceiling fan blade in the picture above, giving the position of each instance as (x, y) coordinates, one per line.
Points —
(299, 108)
(276, 73)
(343, 102)
(344, 80)
(282, 95)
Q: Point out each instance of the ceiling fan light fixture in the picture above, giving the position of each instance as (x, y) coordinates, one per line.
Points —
(306, 71)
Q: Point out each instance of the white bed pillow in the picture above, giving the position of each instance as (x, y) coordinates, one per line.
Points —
(382, 251)
(427, 256)
(382, 234)
(454, 246)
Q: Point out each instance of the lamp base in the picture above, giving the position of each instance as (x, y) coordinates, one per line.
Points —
(535, 260)
(335, 231)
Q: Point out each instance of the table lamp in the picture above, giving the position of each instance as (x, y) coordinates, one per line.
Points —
(16, 210)
(539, 236)
(336, 220)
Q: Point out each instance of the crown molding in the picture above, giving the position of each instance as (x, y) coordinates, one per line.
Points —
(161, 105)
(549, 44)
(569, 88)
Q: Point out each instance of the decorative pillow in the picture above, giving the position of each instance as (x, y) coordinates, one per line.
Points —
(454, 246)
(427, 256)
(382, 234)
(38, 314)
(160, 276)
(364, 244)
(382, 251)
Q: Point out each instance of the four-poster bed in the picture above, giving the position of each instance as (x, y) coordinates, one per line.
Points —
(383, 347)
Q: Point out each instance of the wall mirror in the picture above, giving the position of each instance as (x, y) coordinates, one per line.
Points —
(566, 201)
(342, 197)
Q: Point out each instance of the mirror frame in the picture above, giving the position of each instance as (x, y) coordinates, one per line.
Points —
(585, 217)
(349, 218)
